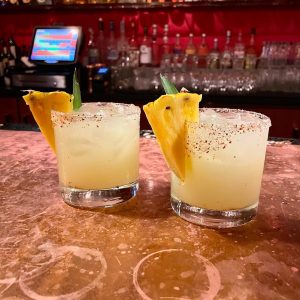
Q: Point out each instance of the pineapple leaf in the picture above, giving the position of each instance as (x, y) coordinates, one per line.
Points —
(76, 92)
(168, 86)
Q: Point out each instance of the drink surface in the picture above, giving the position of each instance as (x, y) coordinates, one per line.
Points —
(97, 146)
(225, 160)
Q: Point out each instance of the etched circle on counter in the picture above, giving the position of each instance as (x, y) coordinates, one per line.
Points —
(176, 274)
(62, 272)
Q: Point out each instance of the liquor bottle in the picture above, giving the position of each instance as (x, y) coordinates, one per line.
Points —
(112, 47)
(4, 58)
(239, 53)
(177, 50)
(166, 47)
(202, 52)
(190, 48)
(133, 48)
(213, 58)
(250, 56)
(145, 50)
(155, 47)
(123, 68)
(12, 47)
(100, 41)
(190, 60)
(263, 61)
(165, 57)
(122, 43)
(165, 62)
(93, 53)
(122, 72)
(226, 56)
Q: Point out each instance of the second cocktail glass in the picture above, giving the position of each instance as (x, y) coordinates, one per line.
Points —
(97, 150)
(224, 167)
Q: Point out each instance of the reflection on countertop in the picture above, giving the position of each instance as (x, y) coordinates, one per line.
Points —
(141, 250)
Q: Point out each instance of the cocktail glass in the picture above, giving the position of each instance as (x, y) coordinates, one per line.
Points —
(97, 151)
(224, 168)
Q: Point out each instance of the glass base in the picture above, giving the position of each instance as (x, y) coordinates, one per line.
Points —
(213, 218)
(99, 198)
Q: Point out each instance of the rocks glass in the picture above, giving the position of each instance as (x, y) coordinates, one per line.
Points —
(97, 150)
(224, 167)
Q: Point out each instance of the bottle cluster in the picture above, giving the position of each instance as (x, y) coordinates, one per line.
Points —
(136, 61)
(152, 50)
(239, 65)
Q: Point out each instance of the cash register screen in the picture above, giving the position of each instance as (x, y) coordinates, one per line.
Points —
(55, 45)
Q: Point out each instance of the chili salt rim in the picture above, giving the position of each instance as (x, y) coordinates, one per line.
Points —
(216, 133)
(130, 109)
(260, 120)
(64, 118)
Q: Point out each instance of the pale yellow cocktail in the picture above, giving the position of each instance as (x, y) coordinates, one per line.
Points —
(225, 155)
(97, 150)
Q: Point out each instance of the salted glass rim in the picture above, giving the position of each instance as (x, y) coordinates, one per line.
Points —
(256, 120)
(130, 110)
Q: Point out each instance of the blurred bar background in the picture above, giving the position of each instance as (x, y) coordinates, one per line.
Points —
(243, 54)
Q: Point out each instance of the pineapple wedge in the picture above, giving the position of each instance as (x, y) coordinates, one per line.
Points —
(41, 105)
(167, 117)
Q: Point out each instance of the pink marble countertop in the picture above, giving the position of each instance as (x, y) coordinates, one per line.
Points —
(141, 250)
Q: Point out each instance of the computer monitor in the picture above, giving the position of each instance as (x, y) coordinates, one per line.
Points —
(55, 45)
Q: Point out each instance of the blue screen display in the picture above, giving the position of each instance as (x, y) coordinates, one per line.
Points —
(55, 44)
(102, 70)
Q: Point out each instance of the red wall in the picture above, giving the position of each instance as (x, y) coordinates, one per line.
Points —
(280, 24)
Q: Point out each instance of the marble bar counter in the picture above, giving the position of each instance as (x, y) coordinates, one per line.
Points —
(141, 250)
